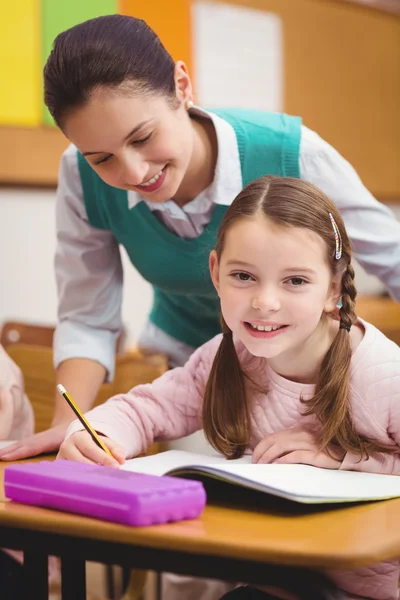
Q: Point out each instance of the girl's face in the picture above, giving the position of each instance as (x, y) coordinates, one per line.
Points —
(275, 285)
(135, 142)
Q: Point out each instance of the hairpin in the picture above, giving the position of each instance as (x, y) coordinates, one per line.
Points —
(338, 238)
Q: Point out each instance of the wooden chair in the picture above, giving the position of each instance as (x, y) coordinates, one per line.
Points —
(18, 332)
(15, 332)
(383, 312)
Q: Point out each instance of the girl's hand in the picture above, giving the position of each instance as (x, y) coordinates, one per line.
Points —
(295, 446)
(80, 446)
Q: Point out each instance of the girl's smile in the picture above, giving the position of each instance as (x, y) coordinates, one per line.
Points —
(264, 330)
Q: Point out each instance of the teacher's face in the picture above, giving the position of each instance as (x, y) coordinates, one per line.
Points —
(137, 142)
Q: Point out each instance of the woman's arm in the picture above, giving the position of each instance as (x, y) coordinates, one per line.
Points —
(82, 378)
(89, 278)
(372, 227)
(375, 391)
(89, 283)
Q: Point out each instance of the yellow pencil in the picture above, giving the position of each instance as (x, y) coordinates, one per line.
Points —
(82, 419)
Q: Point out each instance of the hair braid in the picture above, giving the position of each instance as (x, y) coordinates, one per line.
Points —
(347, 311)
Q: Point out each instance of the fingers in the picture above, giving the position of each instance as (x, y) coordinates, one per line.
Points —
(116, 450)
(73, 454)
(309, 457)
(80, 447)
(14, 451)
(277, 451)
(298, 457)
(278, 444)
(43, 442)
(262, 448)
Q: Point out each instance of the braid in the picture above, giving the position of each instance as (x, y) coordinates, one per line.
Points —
(331, 402)
(347, 311)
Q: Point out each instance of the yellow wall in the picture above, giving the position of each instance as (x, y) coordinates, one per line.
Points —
(20, 89)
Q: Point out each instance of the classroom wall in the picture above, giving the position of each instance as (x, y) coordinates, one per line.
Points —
(27, 243)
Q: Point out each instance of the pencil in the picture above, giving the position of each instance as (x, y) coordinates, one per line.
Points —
(82, 419)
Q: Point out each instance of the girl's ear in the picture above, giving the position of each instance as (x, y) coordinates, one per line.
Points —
(334, 294)
(183, 85)
(214, 270)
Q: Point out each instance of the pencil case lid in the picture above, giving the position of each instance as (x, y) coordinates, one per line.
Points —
(104, 492)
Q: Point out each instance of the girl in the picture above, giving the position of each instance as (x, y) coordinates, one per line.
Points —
(292, 379)
(16, 414)
(16, 422)
(149, 171)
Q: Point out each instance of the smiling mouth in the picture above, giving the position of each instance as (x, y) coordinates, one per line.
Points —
(151, 181)
(264, 327)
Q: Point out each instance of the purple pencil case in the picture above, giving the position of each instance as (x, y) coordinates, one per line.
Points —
(105, 493)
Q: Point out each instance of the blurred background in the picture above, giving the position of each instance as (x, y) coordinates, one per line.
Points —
(336, 63)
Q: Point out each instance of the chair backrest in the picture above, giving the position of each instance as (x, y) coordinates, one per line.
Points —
(19, 332)
(383, 312)
(36, 364)
(16, 332)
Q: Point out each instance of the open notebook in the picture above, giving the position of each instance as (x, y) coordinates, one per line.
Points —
(301, 483)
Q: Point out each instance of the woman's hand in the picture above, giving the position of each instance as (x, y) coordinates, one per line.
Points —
(295, 446)
(44, 442)
(80, 447)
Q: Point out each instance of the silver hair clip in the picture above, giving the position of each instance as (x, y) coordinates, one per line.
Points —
(338, 238)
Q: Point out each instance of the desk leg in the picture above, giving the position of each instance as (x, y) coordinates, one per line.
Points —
(36, 576)
(73, 579)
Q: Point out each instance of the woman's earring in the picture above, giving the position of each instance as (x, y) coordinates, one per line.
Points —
(189, 104)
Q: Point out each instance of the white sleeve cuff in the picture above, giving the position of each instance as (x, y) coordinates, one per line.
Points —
(74, 340)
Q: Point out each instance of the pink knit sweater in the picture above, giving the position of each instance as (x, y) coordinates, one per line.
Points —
(170, 408)
(16, 414)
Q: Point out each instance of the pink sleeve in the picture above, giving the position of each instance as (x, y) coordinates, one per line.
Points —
(16, 415)
(380, 390)
(378, 462)
(167, 409)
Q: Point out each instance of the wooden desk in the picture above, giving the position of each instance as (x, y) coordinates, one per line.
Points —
(226, 543)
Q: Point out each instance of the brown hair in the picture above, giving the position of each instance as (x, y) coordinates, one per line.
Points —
(110, 52)
(291, 203)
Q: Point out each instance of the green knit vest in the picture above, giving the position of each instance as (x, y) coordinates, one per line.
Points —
(185, 304)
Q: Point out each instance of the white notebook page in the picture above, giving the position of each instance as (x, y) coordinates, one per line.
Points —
(292, 480)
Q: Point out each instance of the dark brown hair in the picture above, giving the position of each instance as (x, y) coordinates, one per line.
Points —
(107, 52)
(290, 203)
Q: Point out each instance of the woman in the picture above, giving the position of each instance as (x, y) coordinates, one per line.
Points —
(148, 170)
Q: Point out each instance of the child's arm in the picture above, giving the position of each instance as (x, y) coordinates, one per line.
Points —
(379, 462)
(16, 415)
(169, 408)
(377, 413)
